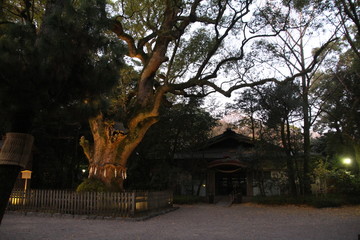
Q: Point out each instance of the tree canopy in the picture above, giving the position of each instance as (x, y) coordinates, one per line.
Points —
(58, 53)
(65, 58)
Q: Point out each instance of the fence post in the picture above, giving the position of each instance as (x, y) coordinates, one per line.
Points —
(133, 203)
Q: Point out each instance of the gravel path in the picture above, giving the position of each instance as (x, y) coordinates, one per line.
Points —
(244, 221)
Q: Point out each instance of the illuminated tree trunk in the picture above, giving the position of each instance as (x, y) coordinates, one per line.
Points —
(102, 152)
(111, 148)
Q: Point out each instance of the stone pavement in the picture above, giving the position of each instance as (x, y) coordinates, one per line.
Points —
(203, 221)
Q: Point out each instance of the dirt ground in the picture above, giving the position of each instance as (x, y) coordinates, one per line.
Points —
(244, 221)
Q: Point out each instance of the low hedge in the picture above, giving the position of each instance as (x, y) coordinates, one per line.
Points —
(315, 201)
(325, 202)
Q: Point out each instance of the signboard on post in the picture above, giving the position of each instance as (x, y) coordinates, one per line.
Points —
(26, 174)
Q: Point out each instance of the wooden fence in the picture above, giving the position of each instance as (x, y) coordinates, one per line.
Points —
(111, 204)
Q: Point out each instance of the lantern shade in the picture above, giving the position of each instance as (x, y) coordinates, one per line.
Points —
(16, 149)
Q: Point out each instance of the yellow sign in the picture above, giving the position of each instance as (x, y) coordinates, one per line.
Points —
(26, 174)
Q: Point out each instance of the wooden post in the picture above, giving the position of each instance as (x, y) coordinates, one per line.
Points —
(133, 203)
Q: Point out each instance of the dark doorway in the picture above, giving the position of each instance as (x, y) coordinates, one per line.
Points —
(226, 183)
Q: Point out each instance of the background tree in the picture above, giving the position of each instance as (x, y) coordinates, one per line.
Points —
(338, 88)
(248, 104)
(61, 56)
(340, 116)
(292, 51)
(282, 104)
(349, 18)
(275, 109)
(58, 161)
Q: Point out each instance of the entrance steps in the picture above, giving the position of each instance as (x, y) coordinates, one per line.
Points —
(223, 200)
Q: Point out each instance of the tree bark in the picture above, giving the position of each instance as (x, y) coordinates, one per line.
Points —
(305, 101)
(305, 82)
(110, 150)
(289, 158)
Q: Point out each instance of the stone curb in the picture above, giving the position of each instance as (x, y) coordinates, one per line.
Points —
(92, 217)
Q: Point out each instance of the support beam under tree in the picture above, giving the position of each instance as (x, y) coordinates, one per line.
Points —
(14, 155)
(8, 176)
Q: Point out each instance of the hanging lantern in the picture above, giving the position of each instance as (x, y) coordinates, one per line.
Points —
(16, 149)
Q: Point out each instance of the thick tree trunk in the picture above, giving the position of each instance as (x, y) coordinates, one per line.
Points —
(103, 164)
(110, 150)
(305, 84)
(289, 159)
(306, 189)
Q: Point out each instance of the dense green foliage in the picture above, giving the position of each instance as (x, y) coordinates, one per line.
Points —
(91, 185)
(344, 183)
(314, 201)
(58, 160)
(67, 59)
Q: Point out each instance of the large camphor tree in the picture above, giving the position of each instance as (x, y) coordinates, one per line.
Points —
(179, 48)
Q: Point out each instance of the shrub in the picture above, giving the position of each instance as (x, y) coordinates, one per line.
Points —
(318, 202)
(278, 200)
(353, 200)
(326, 201)
(344, 183)
(91, 185)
